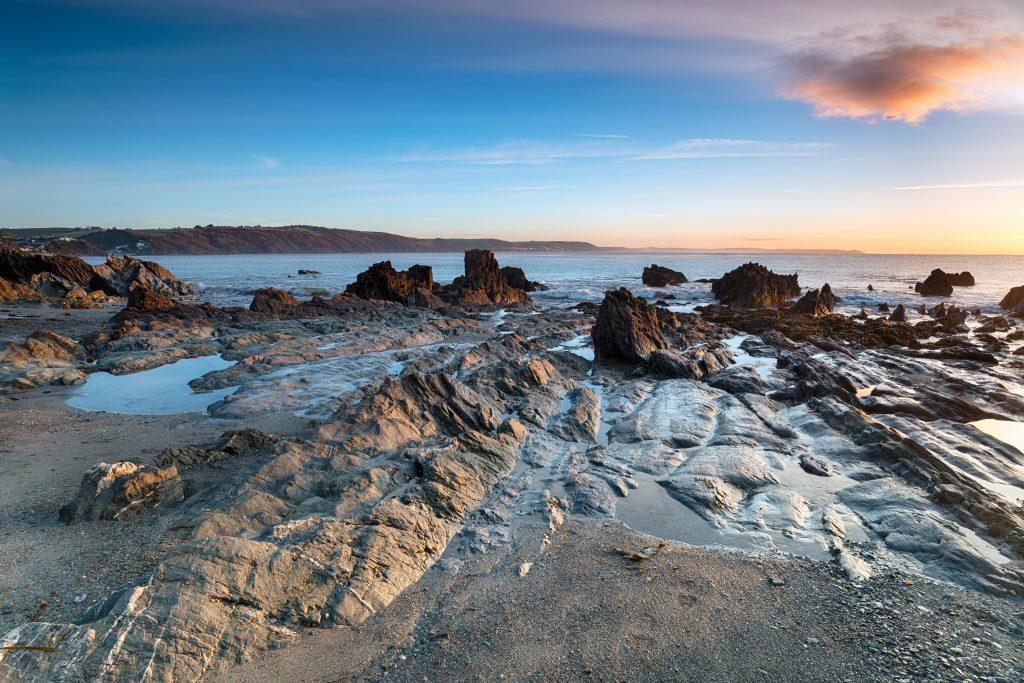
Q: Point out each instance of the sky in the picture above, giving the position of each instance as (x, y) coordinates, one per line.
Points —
(880, 126)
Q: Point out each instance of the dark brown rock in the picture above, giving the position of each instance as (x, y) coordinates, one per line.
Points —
(754, 286)
(1013, 299)
(272, 300)
(936, 284)
(899, 315)
(816, 302)
(627, 328)
(121, 275)
(964, 279)
(144, 299)
(19, 265)
(515, 277)
(660, 276)
(483, 283)
(382, 282)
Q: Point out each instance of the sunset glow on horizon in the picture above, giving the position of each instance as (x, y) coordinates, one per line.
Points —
(884, 127)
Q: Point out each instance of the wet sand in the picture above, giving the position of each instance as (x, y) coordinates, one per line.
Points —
(584, 612)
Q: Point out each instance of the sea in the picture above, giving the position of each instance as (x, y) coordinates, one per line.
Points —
(575, 277)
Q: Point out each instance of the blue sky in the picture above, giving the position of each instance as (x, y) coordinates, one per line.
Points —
(646, 123)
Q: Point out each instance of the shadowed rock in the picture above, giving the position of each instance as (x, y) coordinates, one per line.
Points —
(694, 363)
(660, 276)
(381, 281)
(1014, 301)
(121, 275)
(816, 302)
(964, 279)
(754, 286)
(936, 284)
(19, 265)
(627, 328)
(273, 301)
(899, 315)
(516, 278)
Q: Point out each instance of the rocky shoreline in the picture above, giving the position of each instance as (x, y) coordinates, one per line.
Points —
(406, 434)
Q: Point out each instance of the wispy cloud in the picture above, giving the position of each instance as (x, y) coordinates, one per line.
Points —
(5, 162)
(525, 152)
(718, 148)
(904, 74)
(1015, 182)
(519, 152)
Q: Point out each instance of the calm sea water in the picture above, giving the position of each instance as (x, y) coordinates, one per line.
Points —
(585, 277)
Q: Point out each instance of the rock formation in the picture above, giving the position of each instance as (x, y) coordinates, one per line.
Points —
(964, 279)
(112, 491)
(121, 275)
(659, 276)
(381, 281)
(273, 301)
(483, 283)
(516, 278)
(1014, 301)
(899, 315)
(35, 274)
(936, 284)
(627, 328)
(754, 286)
(816, 302)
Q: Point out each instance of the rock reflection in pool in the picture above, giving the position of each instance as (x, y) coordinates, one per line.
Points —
(160, 391)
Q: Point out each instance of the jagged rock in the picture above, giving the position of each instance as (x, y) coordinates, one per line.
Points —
(306, 271)
(11, 292)
(828, 330)
(754, 286)
(816, 302)
(692, 363)
(81, 299)
(43, 345)
(424, 298)
(660, 276)
(234, 443)
(883, 307)
(1014, 299)
(273, 301)
(121, 275)
(515, 277)
(44, 357)
(19, 265)
(381, 281)
(627, 328)
(113, 491)
(996, 323)
(964, 279)
(936, 284)
(899, 315)
(483, 283)
(145, 300)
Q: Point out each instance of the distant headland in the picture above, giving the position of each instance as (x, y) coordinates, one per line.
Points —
(303, 239)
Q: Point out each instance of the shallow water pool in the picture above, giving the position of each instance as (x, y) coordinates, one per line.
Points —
(160, 391)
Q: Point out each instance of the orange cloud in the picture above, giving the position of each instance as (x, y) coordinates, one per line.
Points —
(899, 79)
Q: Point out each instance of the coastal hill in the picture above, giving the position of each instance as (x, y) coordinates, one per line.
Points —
(292, 239)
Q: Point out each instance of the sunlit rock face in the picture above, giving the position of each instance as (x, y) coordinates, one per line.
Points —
(754, 286)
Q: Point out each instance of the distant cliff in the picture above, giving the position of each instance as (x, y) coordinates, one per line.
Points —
(292, 239)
